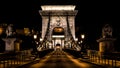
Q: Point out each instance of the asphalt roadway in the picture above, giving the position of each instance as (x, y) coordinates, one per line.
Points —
(60, 59)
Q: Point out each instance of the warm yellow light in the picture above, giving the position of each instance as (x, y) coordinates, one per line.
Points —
(35, 36)
(82, 36)
(76, 39)
(36, 42)
(26, 31)
(41, 39)
(81, 41)
(58, 29)
(1, 30)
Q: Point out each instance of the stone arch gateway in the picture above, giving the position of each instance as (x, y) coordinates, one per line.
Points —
(54, 16)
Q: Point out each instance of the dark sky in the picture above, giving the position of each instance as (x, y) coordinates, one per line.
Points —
(92, 14)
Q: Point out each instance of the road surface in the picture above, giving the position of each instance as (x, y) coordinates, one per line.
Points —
(60, 59)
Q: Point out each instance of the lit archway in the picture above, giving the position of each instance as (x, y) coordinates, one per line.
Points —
(58, 31)
(58, 35)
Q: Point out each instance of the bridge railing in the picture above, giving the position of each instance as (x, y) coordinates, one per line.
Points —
(14, 59)
(107, 59)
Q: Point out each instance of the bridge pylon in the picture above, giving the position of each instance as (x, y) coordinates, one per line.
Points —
(58, 26)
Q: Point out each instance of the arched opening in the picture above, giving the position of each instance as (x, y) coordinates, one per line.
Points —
(58, 35)
(58, 31)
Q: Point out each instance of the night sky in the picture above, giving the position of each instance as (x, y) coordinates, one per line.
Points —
(92, 15)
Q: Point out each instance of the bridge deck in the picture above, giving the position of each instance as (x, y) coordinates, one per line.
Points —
(60, 59)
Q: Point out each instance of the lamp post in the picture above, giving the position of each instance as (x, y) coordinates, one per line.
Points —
(41, 40)
(81, 41)
(82, 36)
(35, 36)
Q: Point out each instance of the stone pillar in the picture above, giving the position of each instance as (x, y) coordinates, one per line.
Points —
(106, 42)
(9, 40)
(9, 44)
(106, 45)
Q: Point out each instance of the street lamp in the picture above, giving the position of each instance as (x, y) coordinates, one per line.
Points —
(81, 41)
(41, 39)
(35, 36)
(82, 45)
(83, 36)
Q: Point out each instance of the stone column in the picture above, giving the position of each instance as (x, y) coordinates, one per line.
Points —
(9, 40)
(106, 42)
(106, 45)
(9, 44)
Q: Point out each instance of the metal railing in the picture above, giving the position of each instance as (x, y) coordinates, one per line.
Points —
(14, 59)
(106, 59)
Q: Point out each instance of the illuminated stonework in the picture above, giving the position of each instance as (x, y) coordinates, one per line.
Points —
(58, 7)
(58, 19)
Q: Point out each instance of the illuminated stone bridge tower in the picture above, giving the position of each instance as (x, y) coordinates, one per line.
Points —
(58, 23)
